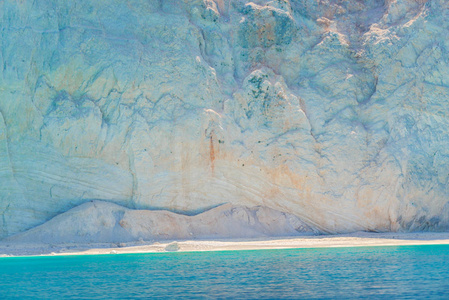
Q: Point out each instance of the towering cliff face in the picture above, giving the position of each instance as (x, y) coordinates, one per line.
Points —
(334, 111)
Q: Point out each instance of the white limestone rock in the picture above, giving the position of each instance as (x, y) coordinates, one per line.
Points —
(333, 111)
(105, 222)
(172, 247)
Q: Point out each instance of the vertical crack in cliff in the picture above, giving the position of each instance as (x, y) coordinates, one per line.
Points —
(132, 168)
(4, 224)
(8, 151)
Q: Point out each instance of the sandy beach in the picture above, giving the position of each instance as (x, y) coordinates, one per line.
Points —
(359, 239)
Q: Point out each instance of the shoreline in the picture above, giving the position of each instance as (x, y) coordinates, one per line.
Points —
(358, 239)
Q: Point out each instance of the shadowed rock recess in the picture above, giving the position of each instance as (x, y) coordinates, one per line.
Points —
(330, 115)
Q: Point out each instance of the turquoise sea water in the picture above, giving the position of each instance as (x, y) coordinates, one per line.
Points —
(406, 272)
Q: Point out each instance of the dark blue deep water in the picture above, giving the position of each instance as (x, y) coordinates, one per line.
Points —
(406, 272)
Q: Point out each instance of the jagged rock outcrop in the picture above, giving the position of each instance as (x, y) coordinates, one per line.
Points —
(334, 111)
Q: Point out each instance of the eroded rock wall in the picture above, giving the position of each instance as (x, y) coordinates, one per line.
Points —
(334, 111)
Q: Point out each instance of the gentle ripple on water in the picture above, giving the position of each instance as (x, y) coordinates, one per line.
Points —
(406, 272)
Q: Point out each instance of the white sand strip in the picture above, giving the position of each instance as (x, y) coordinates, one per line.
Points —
(348, 240)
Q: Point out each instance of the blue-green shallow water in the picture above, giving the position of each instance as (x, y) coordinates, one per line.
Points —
(406, 272)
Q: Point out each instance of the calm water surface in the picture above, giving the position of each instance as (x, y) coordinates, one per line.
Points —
(406, 272)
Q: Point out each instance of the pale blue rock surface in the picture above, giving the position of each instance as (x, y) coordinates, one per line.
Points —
(333, 111)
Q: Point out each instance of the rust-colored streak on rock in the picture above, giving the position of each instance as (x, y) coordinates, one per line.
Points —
(211, 152)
